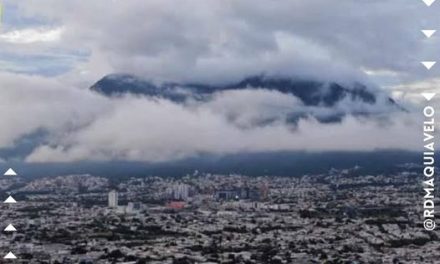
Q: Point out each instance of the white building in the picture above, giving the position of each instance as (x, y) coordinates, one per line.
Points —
(113, 199)
(180, 192)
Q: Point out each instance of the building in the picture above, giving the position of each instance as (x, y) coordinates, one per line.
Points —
(238, 193)
(180, 192)
(113, 199)
(176, 205)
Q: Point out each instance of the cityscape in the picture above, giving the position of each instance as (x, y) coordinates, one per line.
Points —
(342, 216)
(219, 132)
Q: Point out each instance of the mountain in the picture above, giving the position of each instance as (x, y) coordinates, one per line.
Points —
(325, 101)
(309, 91)
(119, 84)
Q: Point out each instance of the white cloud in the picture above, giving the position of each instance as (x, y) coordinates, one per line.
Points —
(222, 40)
(32, 35)
(145, 130)
(207, 41)
(85, 126)
(28, 103)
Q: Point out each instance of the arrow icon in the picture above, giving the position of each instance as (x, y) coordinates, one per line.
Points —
(10, 228)
(428, 96)
(10, 255)
(428, 64)
(429, 2)
(428, 32)
(10, 172)
(10, 200)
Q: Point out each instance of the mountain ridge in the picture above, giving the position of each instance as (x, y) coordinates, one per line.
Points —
(313, 94)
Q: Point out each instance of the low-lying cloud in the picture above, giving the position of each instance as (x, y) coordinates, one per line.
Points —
(83, 125)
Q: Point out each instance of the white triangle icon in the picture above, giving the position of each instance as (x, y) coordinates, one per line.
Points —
(10, 172)
(10, 228)
(10, 255)
(10, 200)
(428, 64)
(428, 96)
(429, 2)
(428, 32)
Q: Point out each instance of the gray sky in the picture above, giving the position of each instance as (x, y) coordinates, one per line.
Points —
(52, 50)
(201, 40)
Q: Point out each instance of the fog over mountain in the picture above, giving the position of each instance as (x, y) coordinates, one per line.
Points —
(219, 78)
(324, 101)
(259, 114)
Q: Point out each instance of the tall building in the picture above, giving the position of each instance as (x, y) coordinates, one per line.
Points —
(180, 192)
(113, 199)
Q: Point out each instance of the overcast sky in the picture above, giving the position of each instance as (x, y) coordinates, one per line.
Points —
(52, 50)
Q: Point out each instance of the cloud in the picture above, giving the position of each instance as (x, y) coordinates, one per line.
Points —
(159, 130)
(82, 125)
(76, 43)
(31, 103)
(32, 36)
(218, 40)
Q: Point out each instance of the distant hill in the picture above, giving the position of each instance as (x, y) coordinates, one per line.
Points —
(292, 164)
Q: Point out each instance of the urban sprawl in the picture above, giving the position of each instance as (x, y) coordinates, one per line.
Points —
(342, 216)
